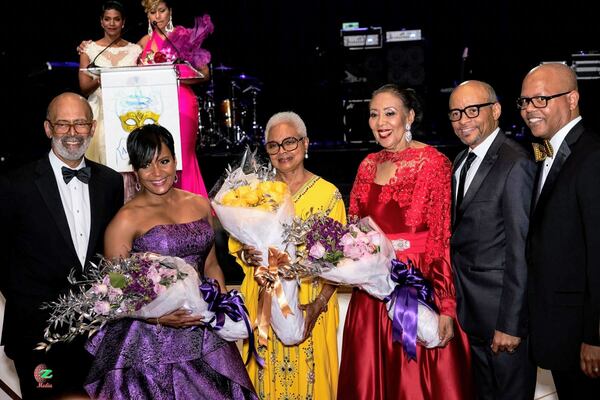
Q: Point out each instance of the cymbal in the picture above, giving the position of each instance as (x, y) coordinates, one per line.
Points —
(222, 67)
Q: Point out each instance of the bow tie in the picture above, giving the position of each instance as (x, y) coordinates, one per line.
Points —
(542, 150)
(82, 174)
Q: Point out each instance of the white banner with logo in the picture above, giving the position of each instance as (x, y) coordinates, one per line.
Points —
(136, 96)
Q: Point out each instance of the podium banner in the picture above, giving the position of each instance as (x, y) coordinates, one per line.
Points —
(136, 96)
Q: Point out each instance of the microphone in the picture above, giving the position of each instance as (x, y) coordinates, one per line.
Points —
(178, 59)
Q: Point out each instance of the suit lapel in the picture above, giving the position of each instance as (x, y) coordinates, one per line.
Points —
(561, 158)
(48, 188)
(457, 161)
(534, 196)
(484, 169)
(96, 209)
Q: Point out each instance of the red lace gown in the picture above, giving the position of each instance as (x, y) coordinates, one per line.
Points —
(414, 206)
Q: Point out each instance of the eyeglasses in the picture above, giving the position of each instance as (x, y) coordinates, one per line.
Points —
(64, 127)
(537, 101)
(471, 111)
(288, 144)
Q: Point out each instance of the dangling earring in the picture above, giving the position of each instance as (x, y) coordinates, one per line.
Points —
(175, 179)
(150, 30)
(306, 154)
(407, 133)
(137, 186)
(169, 27)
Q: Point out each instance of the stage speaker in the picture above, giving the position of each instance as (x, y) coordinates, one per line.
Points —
(406, 63)
(356, 121)
(402, 63)
(364, 70)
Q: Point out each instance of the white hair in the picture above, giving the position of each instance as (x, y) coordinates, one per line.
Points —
(286, 117)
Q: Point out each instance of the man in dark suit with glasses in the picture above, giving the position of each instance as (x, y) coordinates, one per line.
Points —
(492, 185)
(564, 233)
(54, 212)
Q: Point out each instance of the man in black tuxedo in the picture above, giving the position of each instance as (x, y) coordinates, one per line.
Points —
(564, 234)
(491, 184)
(54, 212)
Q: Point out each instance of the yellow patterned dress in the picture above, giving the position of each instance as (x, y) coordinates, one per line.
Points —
(309, 370)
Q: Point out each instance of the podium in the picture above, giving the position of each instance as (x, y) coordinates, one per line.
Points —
(137, 96)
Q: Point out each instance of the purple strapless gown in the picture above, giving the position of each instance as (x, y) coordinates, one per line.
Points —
(136, 360)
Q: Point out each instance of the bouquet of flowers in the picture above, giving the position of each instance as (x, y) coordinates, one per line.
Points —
(254, 208)
(359, 254)
(144, 285)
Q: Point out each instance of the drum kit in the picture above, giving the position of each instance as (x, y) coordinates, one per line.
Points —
(228, 109)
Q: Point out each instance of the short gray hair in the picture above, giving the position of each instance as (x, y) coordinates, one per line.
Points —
(286, 117)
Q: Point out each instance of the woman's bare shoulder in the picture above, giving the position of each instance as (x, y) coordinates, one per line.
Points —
(132, 212)
(142, 42)
(199, 203)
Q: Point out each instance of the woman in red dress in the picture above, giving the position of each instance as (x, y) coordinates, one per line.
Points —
(405, 188)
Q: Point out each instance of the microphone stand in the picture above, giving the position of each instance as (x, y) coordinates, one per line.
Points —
(463, 64)
(93, 63)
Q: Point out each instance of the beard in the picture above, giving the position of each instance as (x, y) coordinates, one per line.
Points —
(64, 146)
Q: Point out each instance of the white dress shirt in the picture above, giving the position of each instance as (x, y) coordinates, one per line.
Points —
(480, 151)
(556, 141)
(75, 197)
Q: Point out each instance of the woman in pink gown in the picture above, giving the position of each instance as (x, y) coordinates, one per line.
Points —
(157, 49)
(405, 188)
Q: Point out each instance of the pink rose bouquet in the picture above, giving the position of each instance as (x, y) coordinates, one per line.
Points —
(357, 254)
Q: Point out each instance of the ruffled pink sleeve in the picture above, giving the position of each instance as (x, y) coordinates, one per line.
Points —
(189, 41)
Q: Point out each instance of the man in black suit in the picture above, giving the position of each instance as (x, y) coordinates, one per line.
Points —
(54, 212)
(491, 185)
(564, 234)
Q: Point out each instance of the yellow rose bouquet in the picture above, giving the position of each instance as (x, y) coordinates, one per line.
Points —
(254, 209)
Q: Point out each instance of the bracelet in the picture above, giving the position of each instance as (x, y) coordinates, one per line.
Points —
(242, 257)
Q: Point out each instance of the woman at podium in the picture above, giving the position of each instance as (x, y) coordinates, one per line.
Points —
(109, 51)
(166, 43)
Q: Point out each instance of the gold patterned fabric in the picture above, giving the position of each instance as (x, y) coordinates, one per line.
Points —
(310, 369)
(542, 150)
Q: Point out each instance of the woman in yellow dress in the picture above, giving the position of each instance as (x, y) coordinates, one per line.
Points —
(308, 370)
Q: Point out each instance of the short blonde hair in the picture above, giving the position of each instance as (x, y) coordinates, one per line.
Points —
(286, 117)
(150, 5)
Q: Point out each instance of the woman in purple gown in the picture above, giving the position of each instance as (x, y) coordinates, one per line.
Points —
(174, 356)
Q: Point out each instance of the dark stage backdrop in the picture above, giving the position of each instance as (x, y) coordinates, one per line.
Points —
(293, 49)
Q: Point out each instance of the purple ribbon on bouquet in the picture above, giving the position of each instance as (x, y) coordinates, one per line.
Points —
(228, 304)
(412, 288)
